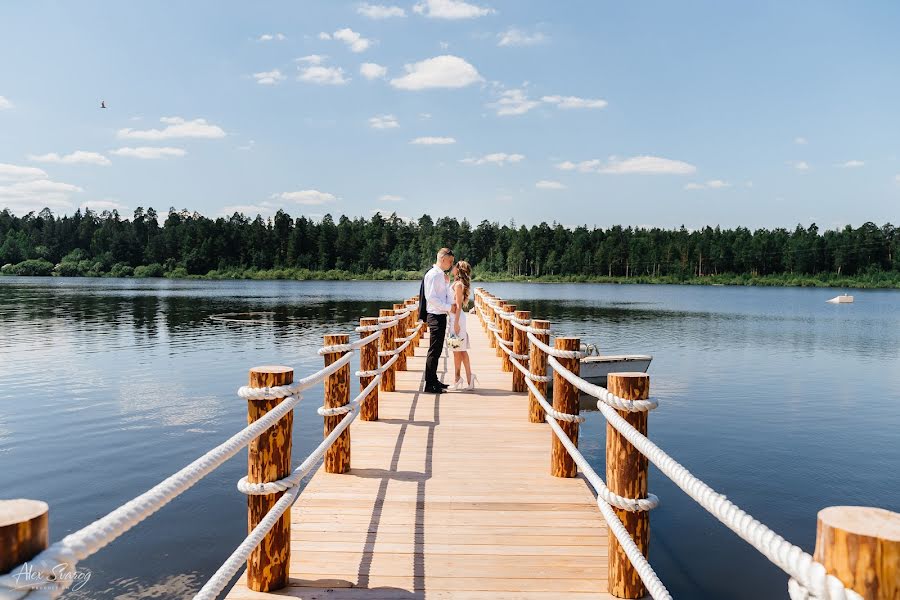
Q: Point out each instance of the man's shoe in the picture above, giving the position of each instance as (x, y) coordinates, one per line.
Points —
(443, 385)
(432, 389)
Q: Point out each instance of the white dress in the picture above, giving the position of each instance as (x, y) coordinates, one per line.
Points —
(463, 334)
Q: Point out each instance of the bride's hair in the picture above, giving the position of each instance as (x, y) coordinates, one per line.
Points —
(464, 274)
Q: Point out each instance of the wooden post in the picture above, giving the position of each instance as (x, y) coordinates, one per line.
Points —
(506, 333)
(386, 343)
(565, 400)
(399, 333)
(411, 320)
(861, 546)
(492, 320)
(538, 363)
(337, 393)
(24, 531)
(269, 459)
(626, 475)
(520, 346)
(368, 361)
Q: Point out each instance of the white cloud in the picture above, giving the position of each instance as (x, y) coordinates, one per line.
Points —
(433, 141)
(651, 165)
(513, 102)
(383, 122)
(800, 141)
(10, 172)
(446, 71)
(313, 59)
(390, 198)
(800, 165)
(177, 127)
(101, 205)
(248, 146)
(852, 164)
(545, 184)
(379, 11)
(897, 178)
(517, 37)
(372, 71)
(77, 157)
(451, 9)
(355, 41)
(712, 184)
(323, 75)
(268, 37)
(30, 190)
(569, 102)
(272, 77)
(5, 104)
(149, 152)
(497, 158)
(306, 197)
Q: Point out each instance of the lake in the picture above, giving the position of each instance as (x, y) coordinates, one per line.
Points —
(782, 402)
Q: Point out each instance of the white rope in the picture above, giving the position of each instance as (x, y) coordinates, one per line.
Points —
(548, 409)
(83, 543)
(601, 393)
(342, 410)
(554, 351)
(350, 347)
(395, 351)
(509, 352)
(379, 370)
(522, 325)
(790, 558)
(528, 374)
(292, 389)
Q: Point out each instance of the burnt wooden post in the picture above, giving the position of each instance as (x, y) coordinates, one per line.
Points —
(860, 546)
(337, 393)
(538, 363)
(626, 475)
(520, 346)
(506, 333)
(386, 344)
(565, 400)
(24, 531)
(368, 361)
(398, 341)
(269, 459)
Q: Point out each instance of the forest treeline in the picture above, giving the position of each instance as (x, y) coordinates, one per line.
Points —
(183, 243)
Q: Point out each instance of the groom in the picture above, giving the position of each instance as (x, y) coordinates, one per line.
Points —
(434, 304)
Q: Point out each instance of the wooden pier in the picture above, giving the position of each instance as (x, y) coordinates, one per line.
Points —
(448, 496)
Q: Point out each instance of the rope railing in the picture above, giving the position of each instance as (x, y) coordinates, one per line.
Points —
(66, 553)
(809, 579)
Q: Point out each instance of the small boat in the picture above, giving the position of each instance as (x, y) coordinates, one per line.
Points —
(842, 299)
(595, 367)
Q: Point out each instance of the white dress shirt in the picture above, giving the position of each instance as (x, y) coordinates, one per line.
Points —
(437, 292)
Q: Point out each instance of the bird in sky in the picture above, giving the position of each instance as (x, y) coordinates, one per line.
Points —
(103, 104)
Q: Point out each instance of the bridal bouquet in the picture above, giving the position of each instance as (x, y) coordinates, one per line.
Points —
(453, 341)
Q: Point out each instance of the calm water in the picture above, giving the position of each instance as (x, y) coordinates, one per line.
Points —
(781, 401)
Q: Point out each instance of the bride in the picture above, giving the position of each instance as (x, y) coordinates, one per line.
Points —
(459, 290)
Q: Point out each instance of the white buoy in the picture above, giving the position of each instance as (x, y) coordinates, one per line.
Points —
(842, 299)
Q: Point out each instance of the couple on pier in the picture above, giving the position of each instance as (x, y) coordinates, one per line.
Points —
(442, 305)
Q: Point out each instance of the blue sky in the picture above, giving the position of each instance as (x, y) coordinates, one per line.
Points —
(759, 114)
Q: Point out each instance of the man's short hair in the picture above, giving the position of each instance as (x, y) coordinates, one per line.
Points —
(444, 252)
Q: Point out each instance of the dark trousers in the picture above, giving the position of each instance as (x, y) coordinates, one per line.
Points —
(437, 328)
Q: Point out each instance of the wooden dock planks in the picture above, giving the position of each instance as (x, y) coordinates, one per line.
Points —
(448, 497)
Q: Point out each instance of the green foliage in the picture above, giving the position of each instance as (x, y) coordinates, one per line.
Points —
(33, 266)
(186, 244)
(151, 270)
